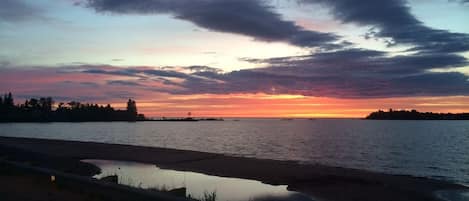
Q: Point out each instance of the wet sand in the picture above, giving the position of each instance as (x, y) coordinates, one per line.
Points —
(322, 182)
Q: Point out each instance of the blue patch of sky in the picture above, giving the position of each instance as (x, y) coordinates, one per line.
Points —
(72, 33)
(442, 14)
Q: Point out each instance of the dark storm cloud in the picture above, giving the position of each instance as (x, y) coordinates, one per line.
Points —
(137, 72)
(394, 20)
(163, 73)
(332, 85)
(123, 82)
(363, 62)
(17, 10)
(123, 72)
(252, 18)
(352, 73)
(86, 84)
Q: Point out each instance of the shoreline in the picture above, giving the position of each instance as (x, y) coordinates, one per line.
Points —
(320, 181)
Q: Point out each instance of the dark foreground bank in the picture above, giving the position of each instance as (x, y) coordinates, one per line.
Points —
(322, 182)
(32, 176)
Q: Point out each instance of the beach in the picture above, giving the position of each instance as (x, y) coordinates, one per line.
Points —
(321, 182)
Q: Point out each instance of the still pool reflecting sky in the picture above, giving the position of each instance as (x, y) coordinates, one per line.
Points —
(226, 189)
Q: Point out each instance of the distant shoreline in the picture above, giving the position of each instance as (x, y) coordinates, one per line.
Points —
(415, 115)
(104, 121)
(43, 110)
(325, 182)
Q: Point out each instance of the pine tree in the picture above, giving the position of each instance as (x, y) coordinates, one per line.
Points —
(132, 107)
(8, 100)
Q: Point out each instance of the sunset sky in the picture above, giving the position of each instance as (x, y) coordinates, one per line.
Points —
(240, 58)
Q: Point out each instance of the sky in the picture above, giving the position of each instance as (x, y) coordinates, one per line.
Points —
(240, 58)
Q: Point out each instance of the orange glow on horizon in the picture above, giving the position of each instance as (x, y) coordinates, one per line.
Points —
(284, 105)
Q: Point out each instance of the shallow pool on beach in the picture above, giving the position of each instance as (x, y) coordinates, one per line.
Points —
(435, 149)
(149, 176)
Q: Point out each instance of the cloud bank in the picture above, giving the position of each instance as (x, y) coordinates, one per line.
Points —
(339, 72)
(393, 19)
(253, 18)
(316, 75)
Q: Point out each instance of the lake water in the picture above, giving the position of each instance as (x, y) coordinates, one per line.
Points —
(436, 149)
(149, 176)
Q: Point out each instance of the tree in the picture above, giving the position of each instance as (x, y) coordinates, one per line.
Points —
(74, 105)
(33, 104)
(2, 106)
(132, 107)
(49, 103)
(8, 100)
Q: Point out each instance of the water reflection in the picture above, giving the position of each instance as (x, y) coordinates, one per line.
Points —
(226, 189)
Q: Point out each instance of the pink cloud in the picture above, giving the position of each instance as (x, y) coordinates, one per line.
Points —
(75, 82)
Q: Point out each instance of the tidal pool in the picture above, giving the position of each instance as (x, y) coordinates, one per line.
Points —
(149, 176)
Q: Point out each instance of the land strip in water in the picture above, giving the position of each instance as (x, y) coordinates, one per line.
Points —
(322, 182)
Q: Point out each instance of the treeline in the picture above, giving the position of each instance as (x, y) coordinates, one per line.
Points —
(415, 115)
(45, 110)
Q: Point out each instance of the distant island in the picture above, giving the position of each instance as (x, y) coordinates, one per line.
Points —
(415, 115)
(45, 110)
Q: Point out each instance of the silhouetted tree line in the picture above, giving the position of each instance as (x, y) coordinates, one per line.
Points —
(42, 110)
(415, 115)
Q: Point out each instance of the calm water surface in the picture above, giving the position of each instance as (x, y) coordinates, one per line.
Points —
(436, 149)
(226, 189)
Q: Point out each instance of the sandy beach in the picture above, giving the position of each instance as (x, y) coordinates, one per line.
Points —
(322, 182)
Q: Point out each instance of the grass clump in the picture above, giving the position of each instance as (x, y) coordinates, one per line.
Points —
(209, 196)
